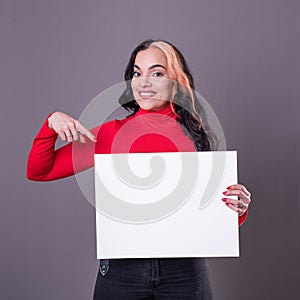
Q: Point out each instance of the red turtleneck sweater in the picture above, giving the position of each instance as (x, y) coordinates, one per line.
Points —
(146, 131)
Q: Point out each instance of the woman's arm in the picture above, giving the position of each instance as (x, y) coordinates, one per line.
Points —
(243, 218)
(45, 163)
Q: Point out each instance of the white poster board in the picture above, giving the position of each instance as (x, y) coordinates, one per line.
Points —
(165, 205)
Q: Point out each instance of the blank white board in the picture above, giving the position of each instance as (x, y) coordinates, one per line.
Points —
(165, 205)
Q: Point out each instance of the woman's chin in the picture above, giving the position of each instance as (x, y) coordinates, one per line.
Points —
(149, 104)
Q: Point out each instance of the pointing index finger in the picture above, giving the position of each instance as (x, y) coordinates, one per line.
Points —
(86, 132)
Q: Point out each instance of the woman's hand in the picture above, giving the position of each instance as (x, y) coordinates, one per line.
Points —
(244, 198)
(68, 128)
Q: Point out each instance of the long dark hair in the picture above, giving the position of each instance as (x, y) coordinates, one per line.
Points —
(189, 112)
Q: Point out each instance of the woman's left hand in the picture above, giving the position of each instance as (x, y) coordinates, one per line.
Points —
(244, 198)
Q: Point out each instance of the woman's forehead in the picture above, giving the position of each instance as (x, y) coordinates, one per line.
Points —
(150, 56)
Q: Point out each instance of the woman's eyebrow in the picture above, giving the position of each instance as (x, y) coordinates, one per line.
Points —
(152, 67)
(157, 66)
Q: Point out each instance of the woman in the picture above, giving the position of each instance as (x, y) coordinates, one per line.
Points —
(169, 119)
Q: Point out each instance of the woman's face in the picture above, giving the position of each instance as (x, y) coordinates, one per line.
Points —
(150, 84)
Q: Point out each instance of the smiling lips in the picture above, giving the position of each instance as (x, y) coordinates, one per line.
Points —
(146, 95)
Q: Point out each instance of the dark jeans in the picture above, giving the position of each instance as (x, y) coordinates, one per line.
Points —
(159, 278)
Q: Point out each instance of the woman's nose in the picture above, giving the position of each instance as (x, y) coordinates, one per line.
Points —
(145, 81)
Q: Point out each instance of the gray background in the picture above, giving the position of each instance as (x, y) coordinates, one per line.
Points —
(58, 55)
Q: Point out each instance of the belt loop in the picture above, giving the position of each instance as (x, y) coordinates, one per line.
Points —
(104, 266)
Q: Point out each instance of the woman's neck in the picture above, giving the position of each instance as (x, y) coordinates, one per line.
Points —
(166, 110)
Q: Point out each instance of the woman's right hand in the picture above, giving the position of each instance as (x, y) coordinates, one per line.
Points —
(69, 129)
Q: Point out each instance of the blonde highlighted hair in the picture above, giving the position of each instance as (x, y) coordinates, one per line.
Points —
(179, 77)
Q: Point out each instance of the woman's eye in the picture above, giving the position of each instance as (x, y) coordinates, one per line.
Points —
(136, 74)
(158, 74)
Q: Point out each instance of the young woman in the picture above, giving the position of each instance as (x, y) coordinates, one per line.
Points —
(166, 117)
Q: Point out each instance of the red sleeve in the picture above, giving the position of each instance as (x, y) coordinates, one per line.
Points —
(45, 163)
(243, 218)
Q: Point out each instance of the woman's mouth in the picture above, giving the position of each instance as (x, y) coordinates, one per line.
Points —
(145, 95)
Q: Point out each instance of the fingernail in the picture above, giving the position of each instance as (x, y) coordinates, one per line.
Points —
(224, 193)
(224, 199)
(228, 188)
(227, 204)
